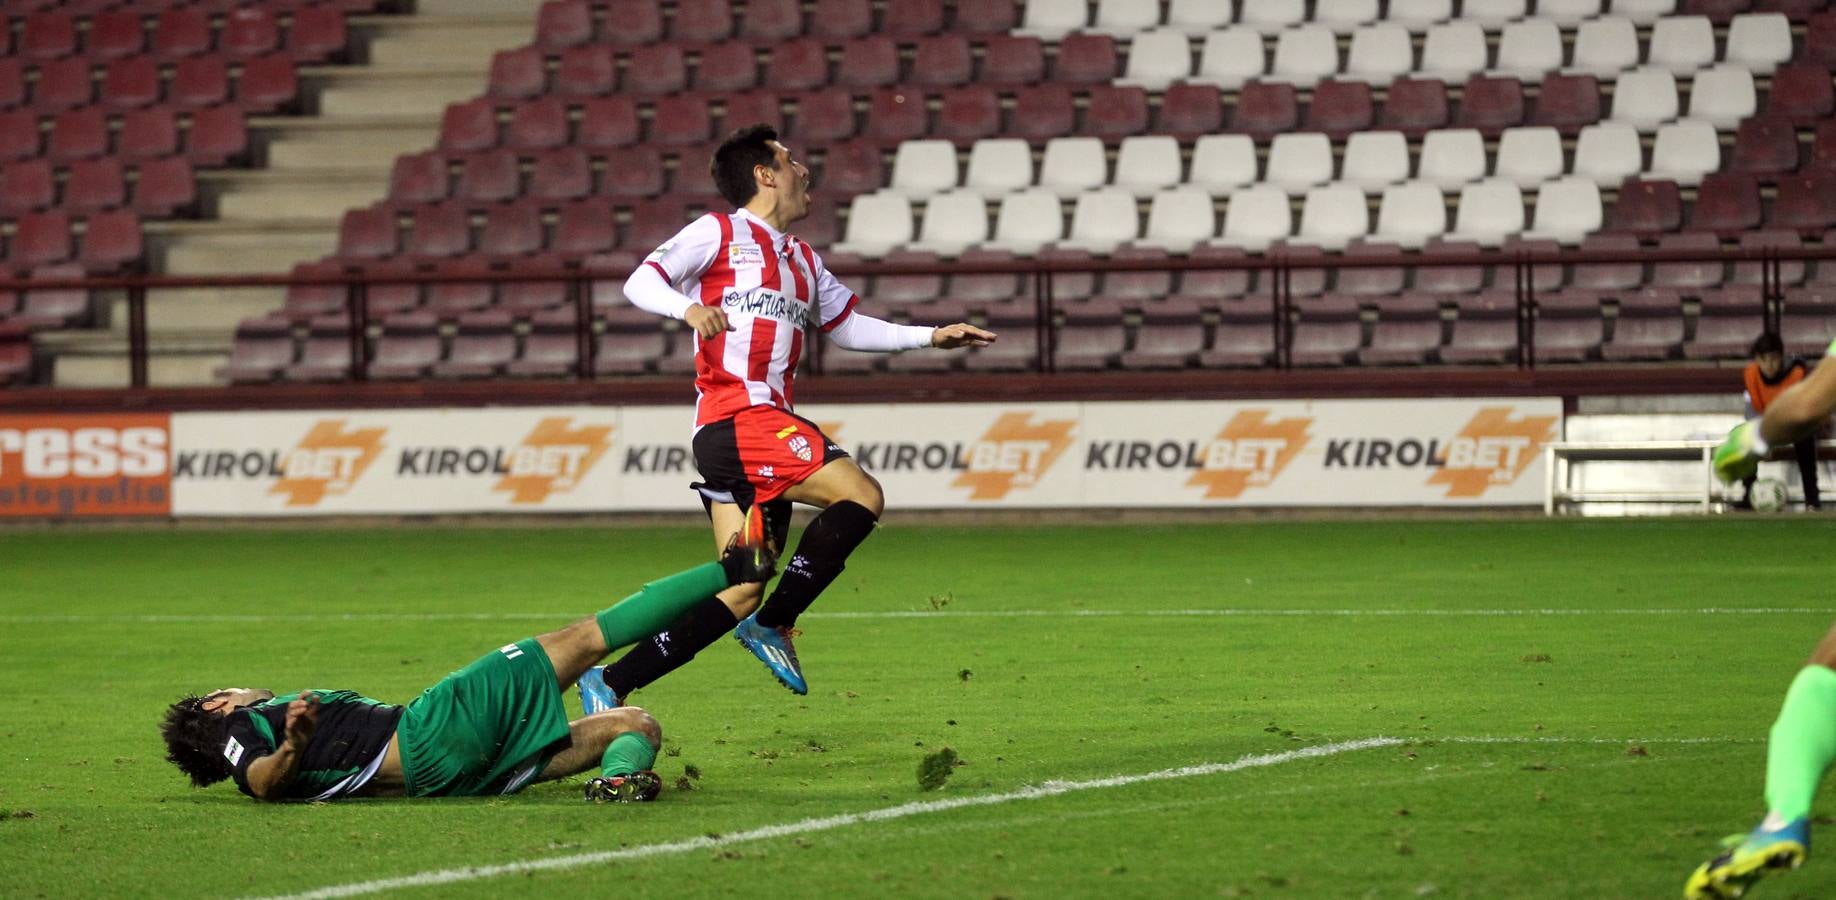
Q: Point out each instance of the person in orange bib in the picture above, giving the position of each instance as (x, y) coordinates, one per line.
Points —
(1767, 376)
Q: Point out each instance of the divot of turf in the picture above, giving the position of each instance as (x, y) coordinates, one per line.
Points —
(936, 768)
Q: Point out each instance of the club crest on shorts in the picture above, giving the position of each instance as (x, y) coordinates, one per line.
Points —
(800, 446)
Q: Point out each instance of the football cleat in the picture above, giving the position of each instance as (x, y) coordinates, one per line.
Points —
(1739, 456)
(773, 647)
(637, 787)
(595, 695)
(749, 557)
(1748, 859)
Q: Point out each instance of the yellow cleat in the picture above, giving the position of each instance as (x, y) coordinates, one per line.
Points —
(1749, 859)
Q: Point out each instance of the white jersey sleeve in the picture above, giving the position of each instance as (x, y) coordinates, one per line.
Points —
(835, 302)
(657, 284)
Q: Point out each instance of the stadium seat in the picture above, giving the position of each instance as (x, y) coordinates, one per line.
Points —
(482, 346)
(1645, 98)
(868, 62)
(12, 82)
(1379, 54)
(1407, 332)
(1568, 327)
(1012, 60)
(1190, 111)
(1484, 330)
(1340, 109)
(451, 299)
(1649, 327)
(1374, 160)
(1419, 14)
(1494, 13)
(607, 122)
(538, 124)
(27, 186)
(1727, 203)
(701, 21)
(1026, 221)
(489, 177)
(968, 113)
(1211, 285)
(1265, 110)
(1453, 51)
(1157, 59)
(1723, 95)
(1272, 16)
(1801, 93)
(632, 348)
(953, 222)
(1608, 153)
(1820, 40)
(587, 71)
(326, 355)
(1333, 215)
(877, 223)
(1791, 272)
(561, 24)
(439, 231)
(318, 34)
(131, 83)
(1758, 42)
(1194, 17)
(982, 290)
(1806, 203)
(199, 81)
(367, 233)
(1681, 44)
(1114, 112)
(1414, 106)
(78, 134)
(894, 115)
(842, 19)
(1086, 59)
(94, 185)
(727, 67)
(1230, 58)
(1042, 112)
(1053, 19)
(1528, 156)
(856, 167)
(1489, 211)
(1643, 12)
(48, 308)
(998, 166)
(63, 84)
(1765, 146)
(1101, 220)
(1449, 279)
(165, 188)
(418, 178)
(19, 136)
(1451, 157)
(551, 349)
(268, 84)
(47, 36)
(681, 119)
(582, 229)
(408, 345)
(1410, 214)
(1147, 163)
(1245, 335)
(1726, 322)
(1298, 161)
(943, 60)
(1138, 288)
(1171, 336)
(1610, 278)
(799, 65)
(1257, 216)
(248, 31)
(656, 69)
(1490, 104)
(1529, 48)
(511, 230)
(1690, 278)
(1091, 338)
(1567, 210)
(1605, 47)
(263, 346)
(1685, 151)
(1346, 16)
(182, 31)
(1303, 55)
(1326, 331)
(635, 171)
(1222, 162)
(1646, 207)
(1372, 281)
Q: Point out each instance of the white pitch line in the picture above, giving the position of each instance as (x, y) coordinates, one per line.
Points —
(1242, 613)
(828, 823)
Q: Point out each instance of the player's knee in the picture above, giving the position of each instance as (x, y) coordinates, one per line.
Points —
(742, 599)
(867, 493)
(647, 725)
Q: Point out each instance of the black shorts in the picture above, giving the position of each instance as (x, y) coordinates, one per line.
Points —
(757, 455)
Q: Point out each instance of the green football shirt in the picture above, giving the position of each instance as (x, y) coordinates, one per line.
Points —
(346, 748)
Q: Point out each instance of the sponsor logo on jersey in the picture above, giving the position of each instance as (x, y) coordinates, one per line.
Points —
(232, 751)
(85, 465)
(554, 458)
(328, 461)
(768, 303)
(745, 256)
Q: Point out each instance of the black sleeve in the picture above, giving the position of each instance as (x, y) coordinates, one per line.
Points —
(245, 744)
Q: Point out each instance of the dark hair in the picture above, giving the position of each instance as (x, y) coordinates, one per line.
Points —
(1766, 343)
(735, 158)
(194, 741)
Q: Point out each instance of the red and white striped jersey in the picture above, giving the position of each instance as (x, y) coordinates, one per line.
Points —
(771, 285)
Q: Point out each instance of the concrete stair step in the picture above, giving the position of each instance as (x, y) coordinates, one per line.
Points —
(363, 93)
(241, 250)
(281, 195)
(186, 311)
(296, 151)
(444, 41)
(100, 358)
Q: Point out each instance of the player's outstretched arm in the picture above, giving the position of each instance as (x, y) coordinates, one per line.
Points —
(270, 775)
(962, 334)
(1792, 415)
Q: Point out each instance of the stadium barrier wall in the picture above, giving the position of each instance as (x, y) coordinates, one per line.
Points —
(1467, 452)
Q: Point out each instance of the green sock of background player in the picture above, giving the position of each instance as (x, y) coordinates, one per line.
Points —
(629, 752)
(658, 603)
(1802, 744)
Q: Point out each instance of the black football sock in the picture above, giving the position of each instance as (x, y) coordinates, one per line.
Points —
(821, 555)
(703, 624)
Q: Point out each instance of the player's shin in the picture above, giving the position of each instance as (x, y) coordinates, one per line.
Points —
(629, 752)
(700, 626)
(659, 603)
(821, 555)
(1802, 743)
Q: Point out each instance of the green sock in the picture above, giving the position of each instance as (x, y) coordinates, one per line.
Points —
(659, 603)
(629, 752)
(1803, 743)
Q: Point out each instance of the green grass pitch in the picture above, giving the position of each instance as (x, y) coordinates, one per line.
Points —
(1573, 720)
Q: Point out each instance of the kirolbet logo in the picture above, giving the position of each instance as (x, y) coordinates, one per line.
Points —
(1492, 449)
(327, 462)
(554, 458)
(1015, 452)
(1250, 451)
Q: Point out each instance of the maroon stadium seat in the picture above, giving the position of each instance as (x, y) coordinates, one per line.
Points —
(1002, 356)
(484, 344)
(1727, 203)
(1092, 337)
(111, 242)
(517, 73)
(1326, 331)
(1190, 110)
(655, 220)
(981, 290)
(1042, 112)
(326, 356)
(48, 35)
(1115, 112)
(727, 67)
(1568, 327)
(1372, 281)
(318, 34)
(523, 298)
(1414, 106)
(1407, 332)
(841, 18)
(583, 229)
(388, 299)
(894, 114)
(113, 35)
(751, 109)
(451, 299)
(1170, 336)
(199, 81)
(1791, 272)
(367, 233)
(468, 126)
(147, 133)
(639, 21)
(1245, 335)
(78, 134)
(1691, 277)
(1485, 329)
(656, 69)
(771, 20)
(551, 350)
(702, 21)
(267, 84)
(1449, 279)
(635, 171)
(631, 348)
(54, 307)
(1795, 10)
(563, 23)
(418, 178)
(564, 173)
(1610, 278)
(408, 346)
(63, 84)
(95, 185)
(19, 135)
(131, 83)
(681, 119)
(182, 31)
(868, 62)
(26, 186)
(799, 65)
(249, 31)
(824, 117)
(1567, 103)
(439, 231)
(1801, 93)
(1649, 327)
(1069, 287)
(911, 18)
(986, 18)
(511, 230)
(1719, 11)
(1208, 285)
(943, 60)
(1809, 319)
(12, 82)
(537, 124)
(166, 187)
(1265, 109)
(1013, 59)
(607, 122)
(1544, 276)
(1137, 288)
(1766, 145)
(1338, 108)
(489, 177)
(1491, 104)
(1820, 41)
(218, 135)
(263, 347)
(1086, 59)
(588, 71)
(890, 292)
(1726, 323)
(853, 167)
(968, 113)
(1646, 207)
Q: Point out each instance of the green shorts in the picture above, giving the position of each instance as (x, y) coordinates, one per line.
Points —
(488, 728)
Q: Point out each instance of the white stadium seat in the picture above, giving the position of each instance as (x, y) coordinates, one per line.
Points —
(1221, 163)
(1103, 220)
(1298, 161)
(1417, 15)
(1528, 49)
(1489, 211)
(1493, 13)
(922, 168)
(1196, 17)
(1759, 41)
(1230, 57)
(1567, 210)
(877, 224)
(1453, 51)
(1027, 221)
(1333, 215)
(1410, 214)
(1529, 156)
(1375, 159)
(1053, 19)
(1685, 151)
(1180, 218)
(1146, 163)
(1122, 18)
(1158, 58)
(1681, 44)
(998, 166)
(1451, 157)
(1607, 153)
(1073, 165)
(1606, 46)
(953, 222)
(1643, 12)
(1256, 217)
(1567, 13)
(1645, 98)
(1304, 55)
(1723, 95)
(1342, 16)
(1379, 53)
(1270, 16)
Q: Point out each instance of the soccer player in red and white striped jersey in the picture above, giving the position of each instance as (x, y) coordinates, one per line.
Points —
(750, 291)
